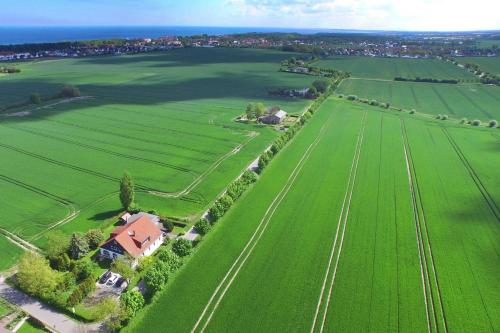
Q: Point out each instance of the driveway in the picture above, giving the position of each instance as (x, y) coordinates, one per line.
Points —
(47, 315)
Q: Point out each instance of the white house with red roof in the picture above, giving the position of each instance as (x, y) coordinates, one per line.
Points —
(138, 238)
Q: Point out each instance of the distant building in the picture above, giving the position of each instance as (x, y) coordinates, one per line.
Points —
(274, 117)
(139, 237)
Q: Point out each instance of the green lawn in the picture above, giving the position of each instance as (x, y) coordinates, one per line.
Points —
(167, 118)
(385, 273)
(11, 253)
(474, 101)
(29, 327)
(389, 68)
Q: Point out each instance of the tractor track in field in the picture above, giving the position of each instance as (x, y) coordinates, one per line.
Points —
(103, 150)
(426, 259)
(473, 102)
(479, 184)
(442, 100)
(343, 217)
(245, 253)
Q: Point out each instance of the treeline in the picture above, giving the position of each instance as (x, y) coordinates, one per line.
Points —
(424, 79)
(67, 91)
(484, 77)
(9, 70)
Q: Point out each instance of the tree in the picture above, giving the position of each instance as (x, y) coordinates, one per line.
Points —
(202, 227)
(35, 275)
(57, 244)
(123, 267)
(94, 238)
(70, 91)
(83, 269)
(259, 110)
(105, 309)
(321, 85)
(182, 247)
(62, 262)
(35, 98)
(312, 92)
(250, 111)
(156, 277)
(126, 190)
(169, 258)
(78, 246)
(132, 301)
(168, 225)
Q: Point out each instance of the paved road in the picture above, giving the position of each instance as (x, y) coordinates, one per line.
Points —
(50, 317)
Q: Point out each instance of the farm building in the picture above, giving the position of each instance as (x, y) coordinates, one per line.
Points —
(275, 116)
(139, 237)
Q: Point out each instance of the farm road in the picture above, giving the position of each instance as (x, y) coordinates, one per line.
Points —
(50, 317)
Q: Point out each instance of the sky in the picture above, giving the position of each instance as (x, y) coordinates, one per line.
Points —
(445, 15)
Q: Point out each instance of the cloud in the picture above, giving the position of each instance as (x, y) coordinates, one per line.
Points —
(372, 14)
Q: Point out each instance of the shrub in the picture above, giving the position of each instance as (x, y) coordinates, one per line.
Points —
(202, 227)
(444, 117)
(493, 123)
(249, 177)
(69, 91)
(438, 116)
(168, 225)
(83, 269)
(182, 247)
(170, 259)
(352, 97)
(35, 98)
(374, 102)
(476, 122)
(132, 301)
(94, 238)
(463, 121)
(412, 111)
(156, 277)
(78, 246)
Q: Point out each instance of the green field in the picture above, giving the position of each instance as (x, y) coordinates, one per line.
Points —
(487, 64)
(334, 238)
(389, 68)
(167, 118)
(474, 101)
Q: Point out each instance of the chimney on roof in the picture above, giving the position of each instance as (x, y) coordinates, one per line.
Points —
(131, 233)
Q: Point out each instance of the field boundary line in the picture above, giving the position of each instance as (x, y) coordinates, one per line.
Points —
(342, 220)
(253, 241)
(422, 225)
(484, 192)
(19, 241)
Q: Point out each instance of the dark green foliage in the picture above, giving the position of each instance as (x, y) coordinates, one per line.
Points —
(220, 207)
(83, 269)
(202, 227)
(476, 122)
(321, 85)
(62, 262)
(126, 190)
(156, 277)
(352, 97)
(169, 258)
(182, 247)
(168, 225)
(132, 301)
(69, 91)
(493, 123)
(78, 246)
(35, 98)
(94, 238)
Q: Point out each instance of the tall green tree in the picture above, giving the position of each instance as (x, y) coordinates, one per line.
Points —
(127, 193)
(259, 110)
(78, 246)
(35, 275)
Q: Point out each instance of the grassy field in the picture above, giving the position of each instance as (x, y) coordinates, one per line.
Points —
(343, 242)
(167, 118)
(487, 64)
(389, 68)
(473, 101)
(11, 253)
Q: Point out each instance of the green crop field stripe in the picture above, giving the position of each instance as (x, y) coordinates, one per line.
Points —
(489, 93)
(443, 101)
(484, 192)
(34, 189)
(424, 237)
(473, 102)
(261, 228)
(103, 150)
(344, 214)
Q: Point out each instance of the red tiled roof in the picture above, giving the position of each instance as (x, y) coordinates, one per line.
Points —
(136, 236)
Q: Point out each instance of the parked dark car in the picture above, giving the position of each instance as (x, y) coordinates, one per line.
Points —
(105, 277)
(119, 283)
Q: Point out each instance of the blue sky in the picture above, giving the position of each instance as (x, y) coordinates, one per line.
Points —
(339, 14)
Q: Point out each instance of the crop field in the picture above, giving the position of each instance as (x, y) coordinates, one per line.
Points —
(363, 223)
(167, 118)
(473, 101)
(488, 64)
(389, 68)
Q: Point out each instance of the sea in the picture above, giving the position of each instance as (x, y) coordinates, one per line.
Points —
(39, 34)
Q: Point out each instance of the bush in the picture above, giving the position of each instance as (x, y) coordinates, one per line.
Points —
(476, 122)
(182, 247)
(444, 117)
(168, 225)
(352, 97)
(202, 227)
(463, 121)
(156, 277)
(438, 116)
(170, 259)
(94, 238)
(249, 177)
(69, 91)
(493, 123)
(132, 301)
(374, 102)
(35, 98)
(220, 207)
(412, 111)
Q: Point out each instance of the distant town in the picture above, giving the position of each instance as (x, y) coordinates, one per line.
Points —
(411, 45)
